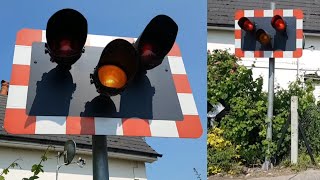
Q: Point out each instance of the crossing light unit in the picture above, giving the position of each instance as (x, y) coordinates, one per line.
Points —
(156, 41)
(269, 33)
(138, 86)
(66, 34)
(116, 68)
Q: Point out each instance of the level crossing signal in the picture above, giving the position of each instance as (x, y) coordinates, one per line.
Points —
(120, 60)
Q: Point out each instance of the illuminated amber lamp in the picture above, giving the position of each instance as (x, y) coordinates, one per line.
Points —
(118, 64)
(112, 76)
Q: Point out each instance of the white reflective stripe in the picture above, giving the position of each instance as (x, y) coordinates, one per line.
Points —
(249, 54)
(188, 106)
(108, 126)
(99, 41)
(44, 38)
(287, 13)
(163, 128)
(299, 43)
(268, 13)
(50, 125)
(237, 43)
(17, 97)
(268, 53)
(248, 13)
(236, 25)
(22, 55)
(88, 40)
(176, 65)
(287, 54)
(299, 24)
(129, 39)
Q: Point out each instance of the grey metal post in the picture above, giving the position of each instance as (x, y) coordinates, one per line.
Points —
(100, 157)
(267, 162)
(58, 162)
(294, 129)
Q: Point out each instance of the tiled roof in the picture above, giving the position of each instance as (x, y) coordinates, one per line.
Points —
(221, 12)
(129, 145)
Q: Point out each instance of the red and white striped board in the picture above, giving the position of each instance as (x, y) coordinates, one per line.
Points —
(18, 122)
(270, 13)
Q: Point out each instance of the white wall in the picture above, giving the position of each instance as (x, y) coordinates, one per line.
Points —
(286, 70)
(118, 169)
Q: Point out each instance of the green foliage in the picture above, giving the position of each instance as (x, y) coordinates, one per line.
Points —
(304, 162)
(227, 80)
(310, 122)
(36, 168)
(5, 171)
(245, 121)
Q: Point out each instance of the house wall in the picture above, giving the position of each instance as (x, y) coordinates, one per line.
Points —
(286, 69)
(118, 169)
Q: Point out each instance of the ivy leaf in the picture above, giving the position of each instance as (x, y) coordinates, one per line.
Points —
(33, 177)
(34, 168)
(44, 158)
(5, 171)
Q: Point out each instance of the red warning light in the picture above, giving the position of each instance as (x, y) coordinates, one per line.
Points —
(65, 45)
(246, 24)
(278, 23)
(147, 51)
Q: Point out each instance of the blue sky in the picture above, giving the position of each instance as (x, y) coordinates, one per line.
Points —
(128, 18)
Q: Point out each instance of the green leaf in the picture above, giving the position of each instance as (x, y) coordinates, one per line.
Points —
(33, 177)
(5, 171)
(34, 167)
(44, 158)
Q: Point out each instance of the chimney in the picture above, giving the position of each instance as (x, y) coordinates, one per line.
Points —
(4, 87)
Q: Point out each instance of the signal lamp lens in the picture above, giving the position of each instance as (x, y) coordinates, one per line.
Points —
(278, 23)
(263, 37)
(112, 76)
(66, 48)
(147, 51)
(65, 45)
(246, 24)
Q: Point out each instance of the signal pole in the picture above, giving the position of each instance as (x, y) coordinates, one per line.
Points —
(267, 162)
(100, 157)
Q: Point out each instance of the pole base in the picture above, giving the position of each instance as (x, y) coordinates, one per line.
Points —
(267, 165)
